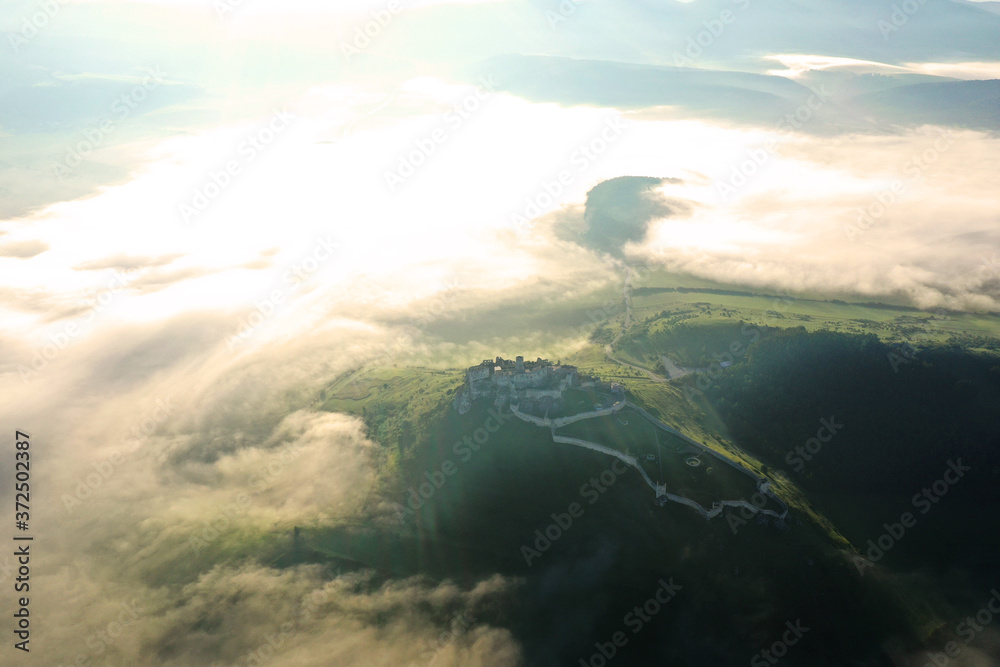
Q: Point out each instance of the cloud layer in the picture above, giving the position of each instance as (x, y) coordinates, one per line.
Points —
(207, 217)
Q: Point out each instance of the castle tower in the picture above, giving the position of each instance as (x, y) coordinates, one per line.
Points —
(519, 364)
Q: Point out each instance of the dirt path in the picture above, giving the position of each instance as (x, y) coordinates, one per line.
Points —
(609, 349)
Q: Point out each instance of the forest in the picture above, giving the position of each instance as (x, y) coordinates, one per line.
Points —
(905, 411)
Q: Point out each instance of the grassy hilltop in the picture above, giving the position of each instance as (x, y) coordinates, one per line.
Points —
(478, 522)
(897, 378)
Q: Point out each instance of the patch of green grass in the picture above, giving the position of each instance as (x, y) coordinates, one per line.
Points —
(666, 401)
(629, 432)
(402, 408)
(670, 309)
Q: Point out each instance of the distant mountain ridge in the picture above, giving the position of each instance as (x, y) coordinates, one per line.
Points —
(847, 104)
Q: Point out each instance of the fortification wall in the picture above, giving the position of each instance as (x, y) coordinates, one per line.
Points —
(631, 461)
(721, 457)
(603, 412)
(564, 421)
(532, 419)
(695, 443)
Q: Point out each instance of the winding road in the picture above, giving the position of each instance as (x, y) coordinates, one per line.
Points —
(717, 507)
(609, 349)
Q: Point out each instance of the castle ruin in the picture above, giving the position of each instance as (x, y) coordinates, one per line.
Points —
(535, 386)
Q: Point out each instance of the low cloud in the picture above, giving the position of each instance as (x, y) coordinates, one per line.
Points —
(170, 492)
(619, 211)
(23, 249)
(910, 216)
(123, 262)
(250, 614)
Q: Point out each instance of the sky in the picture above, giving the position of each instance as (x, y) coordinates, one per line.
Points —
(208, 208)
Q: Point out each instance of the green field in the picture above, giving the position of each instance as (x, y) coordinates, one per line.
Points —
(692, 321)
(577, 400)
(675, 315)
(708, 481)
(478, 521)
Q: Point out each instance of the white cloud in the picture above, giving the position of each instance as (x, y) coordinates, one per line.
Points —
(797, 64)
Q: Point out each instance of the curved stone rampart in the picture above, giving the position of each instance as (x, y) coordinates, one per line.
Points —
(717, 509)
(559, 422)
